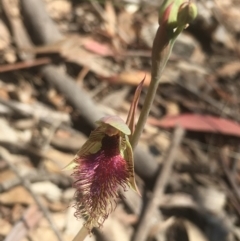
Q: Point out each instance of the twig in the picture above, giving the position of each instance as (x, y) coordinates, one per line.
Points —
(37, 110)
(38, 17)
(7, 158)
(81, 235)
(98, 9)
(24, 64)
(145, 222)
(229, 176)
(58, 179)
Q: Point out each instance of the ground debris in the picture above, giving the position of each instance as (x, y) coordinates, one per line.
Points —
(64, 64)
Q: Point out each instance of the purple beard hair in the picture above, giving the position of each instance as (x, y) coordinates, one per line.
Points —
(97, 179)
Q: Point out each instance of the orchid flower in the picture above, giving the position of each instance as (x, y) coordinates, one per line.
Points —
(101, 166)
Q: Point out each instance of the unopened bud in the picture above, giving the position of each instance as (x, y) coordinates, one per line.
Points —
(186, 13)
(172, 6)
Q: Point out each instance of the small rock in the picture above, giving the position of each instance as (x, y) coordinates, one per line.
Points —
(68, 195)
(59, 9)
(16, 195)
(47, 189)
(212, 199)
(222, 36)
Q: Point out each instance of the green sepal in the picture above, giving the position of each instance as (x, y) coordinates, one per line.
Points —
(172, 18)
(127, 152)
(91, 146)
(175, 15)
(115, 122)
(186, 14)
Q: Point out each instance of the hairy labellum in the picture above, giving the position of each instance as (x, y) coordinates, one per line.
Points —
(98, 177)
(101, 166)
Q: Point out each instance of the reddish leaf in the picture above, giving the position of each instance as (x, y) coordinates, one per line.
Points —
(98, 48)
(201, 123)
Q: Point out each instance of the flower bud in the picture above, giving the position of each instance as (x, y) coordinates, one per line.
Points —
(187, 13)
(171, 6)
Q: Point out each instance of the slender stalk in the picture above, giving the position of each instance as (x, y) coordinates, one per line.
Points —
(161, 50)
(82, 234)
(144, 113)
(160, 55)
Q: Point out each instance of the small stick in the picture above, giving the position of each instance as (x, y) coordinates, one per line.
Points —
(229, 176)
(162, 179)
(7, 157)
(82, 234)
(24, 64)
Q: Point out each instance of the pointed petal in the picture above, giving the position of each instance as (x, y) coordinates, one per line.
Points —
(131, 114)
(70, 166)
(93, 144)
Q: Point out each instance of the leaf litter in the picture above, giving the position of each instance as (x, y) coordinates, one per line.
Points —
(109, 45)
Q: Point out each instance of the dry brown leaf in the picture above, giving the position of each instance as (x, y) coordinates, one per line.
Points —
(10, 56)
(5, 227)
(58, 9)
(6, 175)
(110, 19)
(172, 108)
(17, 212)
(56, 99)
(5, 38)
(83, 51)
(230, 14)
(57, 206)
(125, 27)
(60, 158)
(221, 35)
(229, 69)
(131, 77)
(94, 62)
(16, 195)
(21, 38)
(42, 233)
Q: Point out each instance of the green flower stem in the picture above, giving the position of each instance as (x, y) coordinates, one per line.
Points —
(162, 48)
